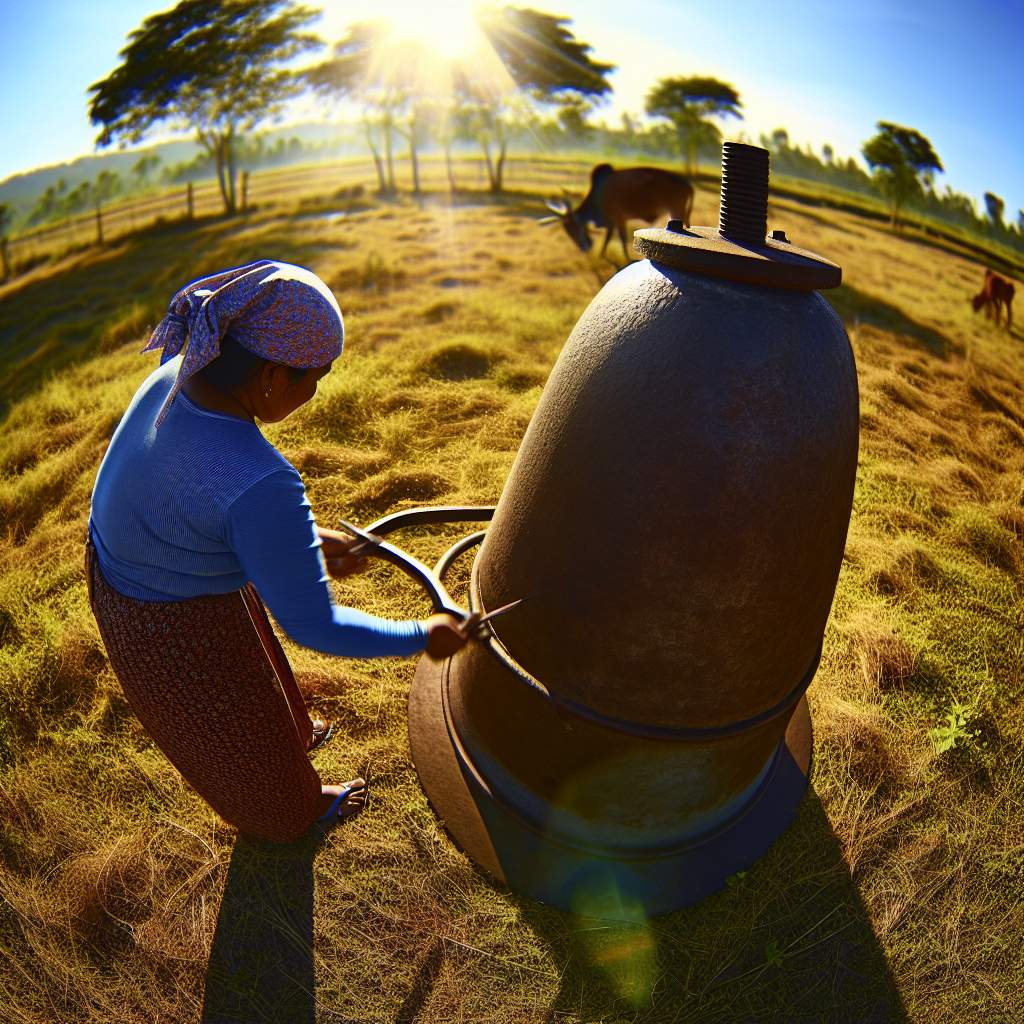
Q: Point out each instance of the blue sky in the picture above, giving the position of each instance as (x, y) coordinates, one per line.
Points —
(825, 71)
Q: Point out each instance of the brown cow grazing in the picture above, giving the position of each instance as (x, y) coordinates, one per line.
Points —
(616, 197)
(995, 293)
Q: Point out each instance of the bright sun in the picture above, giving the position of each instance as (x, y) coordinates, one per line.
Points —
(425, 45)
(449, 30)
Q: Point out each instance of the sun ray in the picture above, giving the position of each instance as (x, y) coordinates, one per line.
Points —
(431, 51)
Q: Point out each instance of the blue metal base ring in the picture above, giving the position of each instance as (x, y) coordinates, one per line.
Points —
(587, 882)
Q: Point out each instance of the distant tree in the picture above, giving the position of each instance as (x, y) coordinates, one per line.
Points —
(1020, 221)
(572, 118)
(778, 141)
(45, 207)
(102, 190)
(827, 153)
(545, 60)
(143, 168)
(213, 67)
(903, 162)
(382, 90)
(78, 199)
(6, 220)
(994, 207)
(689, 103)
(541, 55)
(958, 206)
(630, 129)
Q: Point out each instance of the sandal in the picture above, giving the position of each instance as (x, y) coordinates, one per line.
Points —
(340, 808)
(322, 733)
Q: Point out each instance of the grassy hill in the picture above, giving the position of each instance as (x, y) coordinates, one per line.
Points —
(899, 892)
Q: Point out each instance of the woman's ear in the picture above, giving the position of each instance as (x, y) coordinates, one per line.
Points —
(265, 379)
(272, 378)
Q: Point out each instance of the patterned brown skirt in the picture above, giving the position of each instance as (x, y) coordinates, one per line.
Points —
(213, 688)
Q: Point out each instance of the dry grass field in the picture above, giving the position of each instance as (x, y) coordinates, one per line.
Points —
(897, 895)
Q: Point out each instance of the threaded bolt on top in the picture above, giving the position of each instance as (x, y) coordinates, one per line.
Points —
(743, 206)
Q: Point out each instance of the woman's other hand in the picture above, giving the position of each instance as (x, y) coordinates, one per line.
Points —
(446, 634)
(337, 550)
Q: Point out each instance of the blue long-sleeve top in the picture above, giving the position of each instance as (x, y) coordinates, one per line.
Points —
(204, 504)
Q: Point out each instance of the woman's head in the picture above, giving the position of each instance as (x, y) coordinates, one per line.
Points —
(273, 327)
(270, 390)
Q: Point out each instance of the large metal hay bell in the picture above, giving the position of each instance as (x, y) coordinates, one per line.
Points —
(636, 730)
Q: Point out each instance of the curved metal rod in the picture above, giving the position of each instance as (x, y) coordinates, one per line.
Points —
(429, 580)
(447, 560)
(430, 516)
(414, 568)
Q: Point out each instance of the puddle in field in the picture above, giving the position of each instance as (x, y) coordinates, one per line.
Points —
(324, 216)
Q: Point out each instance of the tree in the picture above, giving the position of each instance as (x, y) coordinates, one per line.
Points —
(6, 219)
(1020, 221)
(572, 118)
(143, 168)
(827, 153)
(544, 59)
(541, 55)
(380, 86)
(902, 161)
(105, 187)
(213, 67)
(689, 103)
(994, 206)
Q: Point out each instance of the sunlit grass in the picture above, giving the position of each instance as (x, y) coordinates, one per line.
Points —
(112, 872)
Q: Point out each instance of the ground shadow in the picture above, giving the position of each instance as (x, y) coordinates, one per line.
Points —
(787, 940)
(427, 969)
(854, 305)
(261, 960)
(114, 294)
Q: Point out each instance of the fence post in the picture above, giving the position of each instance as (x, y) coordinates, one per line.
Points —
(189, 202)
(99, 225)
(5, 256)
(245, 191)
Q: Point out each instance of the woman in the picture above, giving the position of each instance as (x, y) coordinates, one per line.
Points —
(196, 517)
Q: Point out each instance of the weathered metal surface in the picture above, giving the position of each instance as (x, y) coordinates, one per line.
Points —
(680, 501)
(676, 514)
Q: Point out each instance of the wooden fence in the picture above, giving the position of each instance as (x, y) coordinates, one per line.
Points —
(280, 186)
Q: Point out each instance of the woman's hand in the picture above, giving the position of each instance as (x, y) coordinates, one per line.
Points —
(337, 549)
(446, 634)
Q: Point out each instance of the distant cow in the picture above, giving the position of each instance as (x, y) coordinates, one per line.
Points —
(995, 293)
(616, 197)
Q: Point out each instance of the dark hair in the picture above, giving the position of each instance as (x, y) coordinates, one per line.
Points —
(235, 366)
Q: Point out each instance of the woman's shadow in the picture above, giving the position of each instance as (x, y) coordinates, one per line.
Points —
(788, 940)
(261, 959)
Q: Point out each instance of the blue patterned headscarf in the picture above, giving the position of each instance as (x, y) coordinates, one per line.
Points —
(275, 310)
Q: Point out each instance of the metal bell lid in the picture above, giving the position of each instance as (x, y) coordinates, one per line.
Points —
(739, 249)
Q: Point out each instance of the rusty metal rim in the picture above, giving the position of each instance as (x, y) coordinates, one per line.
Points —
(641, 730)
(542, 829)
(769, 263)
(665, 733)
(432, 582)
